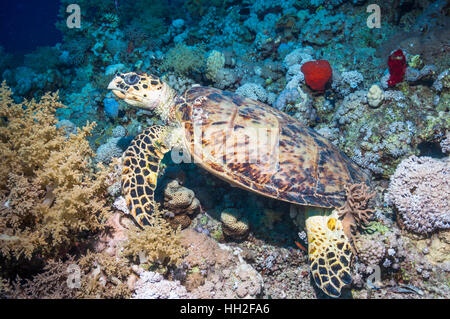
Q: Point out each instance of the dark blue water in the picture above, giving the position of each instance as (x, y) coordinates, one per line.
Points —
(27, 24)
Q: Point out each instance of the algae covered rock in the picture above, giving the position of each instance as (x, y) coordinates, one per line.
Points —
(379, 138)
(217, 270)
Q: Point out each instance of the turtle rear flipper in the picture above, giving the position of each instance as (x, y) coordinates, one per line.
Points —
(329, 253)
(140, 171)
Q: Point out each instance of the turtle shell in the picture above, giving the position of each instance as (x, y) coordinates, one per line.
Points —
(258, 148)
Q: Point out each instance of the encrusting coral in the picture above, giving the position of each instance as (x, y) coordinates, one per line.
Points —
(51, 196)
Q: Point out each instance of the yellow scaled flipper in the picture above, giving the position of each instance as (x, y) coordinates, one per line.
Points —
(329, 253)
(140, 171)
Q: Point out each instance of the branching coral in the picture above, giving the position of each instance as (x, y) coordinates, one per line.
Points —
(104, 276)
(51, 196)
(157, 243)
(5, 288)
(355, 213)
(50, 284)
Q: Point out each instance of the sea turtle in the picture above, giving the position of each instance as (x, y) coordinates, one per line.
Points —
(250, 145)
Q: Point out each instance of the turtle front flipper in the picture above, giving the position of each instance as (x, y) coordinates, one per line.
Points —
(329, 253)
(140, 171)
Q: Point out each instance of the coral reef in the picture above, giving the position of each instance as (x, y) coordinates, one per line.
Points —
(217, 270)
(152, 285)
(382, 97)
(379, 138)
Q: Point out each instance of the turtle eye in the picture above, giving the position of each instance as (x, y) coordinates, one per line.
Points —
(132, 79)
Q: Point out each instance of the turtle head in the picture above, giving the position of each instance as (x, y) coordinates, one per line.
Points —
(141, 90)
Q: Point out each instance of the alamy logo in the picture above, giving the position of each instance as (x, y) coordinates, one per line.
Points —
(374, 280)
(374, 20)
(74, 19)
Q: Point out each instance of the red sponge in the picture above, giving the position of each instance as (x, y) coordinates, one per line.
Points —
(397, 67)
(317, 74)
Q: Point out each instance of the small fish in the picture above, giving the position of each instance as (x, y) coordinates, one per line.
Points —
(300, 245)
(116, 3)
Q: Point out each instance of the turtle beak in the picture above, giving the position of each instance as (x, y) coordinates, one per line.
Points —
(119, 94)
(116, 90)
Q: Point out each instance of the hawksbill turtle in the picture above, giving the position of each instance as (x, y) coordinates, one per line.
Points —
(250, 145)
